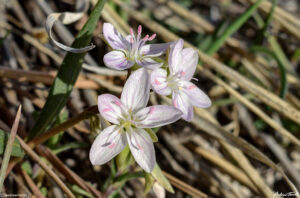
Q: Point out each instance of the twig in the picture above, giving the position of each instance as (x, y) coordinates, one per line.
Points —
(36, 191)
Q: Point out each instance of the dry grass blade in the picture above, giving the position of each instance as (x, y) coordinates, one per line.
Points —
(184, 187)
(9, 146)
(48, 170)
(246, 166)
(227, 167)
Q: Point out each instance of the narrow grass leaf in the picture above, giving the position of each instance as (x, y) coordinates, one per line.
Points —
(283, 79)
(232, 28)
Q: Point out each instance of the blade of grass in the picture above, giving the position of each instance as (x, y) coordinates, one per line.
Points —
(269, 19)
(9, 147)
(274, 55)
(67, 75)
(232, 28)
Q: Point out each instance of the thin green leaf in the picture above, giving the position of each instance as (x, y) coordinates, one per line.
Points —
(272, 54)
(67, 75)
(149, 181)
(80, 191)
(232, 28)
(161, 179)
(71, 145)
(269, 19)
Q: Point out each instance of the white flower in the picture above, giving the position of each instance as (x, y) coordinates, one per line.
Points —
(131, 49)
(129, 116)
(182, 65)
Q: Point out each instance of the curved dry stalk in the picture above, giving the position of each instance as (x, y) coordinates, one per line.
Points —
(227, 167)
(184, 187)
(48, 170)
(246, 166)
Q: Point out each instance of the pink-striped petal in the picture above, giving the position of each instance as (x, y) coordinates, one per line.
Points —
(149, 63)
(153, 50)
(111, 108)
(142, 148)
(159, 83)
(114, 38)
(109, 143)
(188, 64)
(181, 102)
(156, 116)
(175, 56)
(136, 90)
(196, 97)
(117, 60)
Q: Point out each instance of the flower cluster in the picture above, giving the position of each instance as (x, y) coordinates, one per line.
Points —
(129, 115)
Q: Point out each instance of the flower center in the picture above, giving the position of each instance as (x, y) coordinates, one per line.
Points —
(173, 81)
(127, 122)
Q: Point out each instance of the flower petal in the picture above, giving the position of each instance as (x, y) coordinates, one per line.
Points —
(197, 97)
(107, 145)
(110, 107)
(136, 90)
(153, 50)
(114, 38)
(159, 83)
(149, 63)
(156, 116)
(117, 60)
(181, 101)
(189, 63)
(175, 56)
(142, 148)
